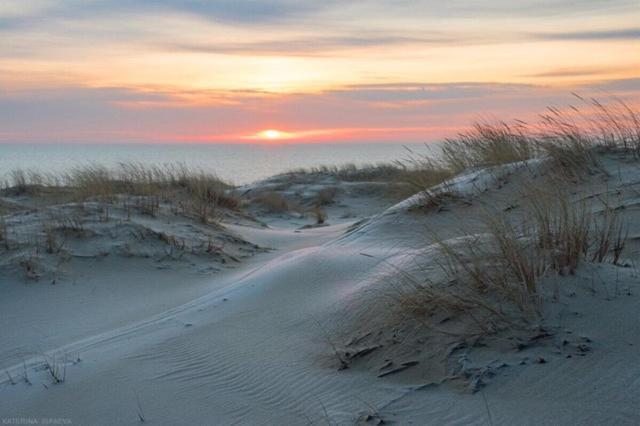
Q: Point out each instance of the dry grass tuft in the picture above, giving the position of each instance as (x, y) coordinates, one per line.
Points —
(615, 125)
(413, 174)
(434, 200)
(497, 277)
(196, 192)
(319, 214)
(21, 182)
(569, 138)
(326, 196)
(273, 202)
(568, 144)
(488, 145)
(425, 170)
(562, 230)
(51, 243)
(382, 172)
(137, 179)
(610, 237)
(57, 369)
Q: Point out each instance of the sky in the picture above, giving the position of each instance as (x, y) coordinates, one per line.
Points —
(302, 70)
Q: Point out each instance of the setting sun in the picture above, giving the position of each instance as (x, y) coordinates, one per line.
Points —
(271, 134)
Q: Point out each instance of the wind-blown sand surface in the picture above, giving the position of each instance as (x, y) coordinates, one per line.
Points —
(293, 323)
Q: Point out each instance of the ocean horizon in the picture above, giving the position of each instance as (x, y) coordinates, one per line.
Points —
(237, 163)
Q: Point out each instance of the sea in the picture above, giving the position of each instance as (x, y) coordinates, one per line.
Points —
(236, 163)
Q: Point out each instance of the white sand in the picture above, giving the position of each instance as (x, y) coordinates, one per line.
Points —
(254, 342)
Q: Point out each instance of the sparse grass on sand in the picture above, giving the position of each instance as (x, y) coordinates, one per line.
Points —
(569, 138)
(350, 172)
(500, 279)
(498, 276)
(417, 170)
(195, 192)
(488, 145)
(52, 216)
(273, 202)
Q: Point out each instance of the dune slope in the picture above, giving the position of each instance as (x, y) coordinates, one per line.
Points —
(309, 333)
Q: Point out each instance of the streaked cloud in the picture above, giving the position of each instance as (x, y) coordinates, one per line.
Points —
(403, 112)
(579, 72)
(318, 45)
(211, 70)
(611, 34)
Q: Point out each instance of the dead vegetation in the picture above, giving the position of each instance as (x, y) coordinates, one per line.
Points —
(57, 369)
(194, 192)
(498, 277)
(319, 214)
(488, 145)
(94, 212)
(273, 202)
(404, 178)
(326, 196)
(568, 141)
(382, 172)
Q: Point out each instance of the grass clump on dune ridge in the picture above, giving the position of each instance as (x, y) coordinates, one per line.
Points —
(137, 179)
(567, 137)
(497, 276)
(350, 172)
(273, 202)
(488, 145)
(125, 178)
(567, 141)
(419, 171)
(194, 191)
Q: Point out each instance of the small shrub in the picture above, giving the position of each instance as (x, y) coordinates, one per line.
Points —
(319, 214)
(273, 202)
(326, 196)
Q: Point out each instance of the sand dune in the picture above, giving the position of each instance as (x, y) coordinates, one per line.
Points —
(307, 328)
